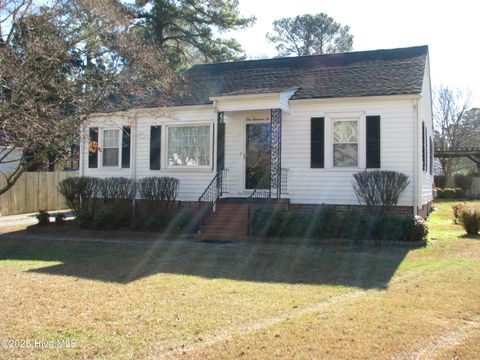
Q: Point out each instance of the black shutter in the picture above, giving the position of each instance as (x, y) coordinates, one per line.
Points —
(431, 156)
(424, 158)
(155, 135)
(317, 142)
(93, 147)
(126, 135)
(220, 146)
(373, 142)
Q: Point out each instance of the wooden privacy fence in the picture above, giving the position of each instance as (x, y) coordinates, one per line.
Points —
(34, 191)
(475, 189)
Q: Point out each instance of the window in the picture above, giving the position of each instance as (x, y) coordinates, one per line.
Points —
(345, 143)
(188, 146)
(111, 146)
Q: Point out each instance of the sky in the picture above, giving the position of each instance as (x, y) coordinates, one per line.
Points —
(451, 29)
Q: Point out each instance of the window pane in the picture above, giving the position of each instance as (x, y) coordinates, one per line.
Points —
(345, 155)
(189, 146)
(345, 132)
(110, 157)
(110, 138)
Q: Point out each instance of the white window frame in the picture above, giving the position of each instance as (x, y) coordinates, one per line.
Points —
(102, 146)
(187, 167)
(340, 120)
(330, 118)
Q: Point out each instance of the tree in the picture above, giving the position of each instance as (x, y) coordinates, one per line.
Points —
(185, 27)
(59, 64)
(309, 35)
(455, 125)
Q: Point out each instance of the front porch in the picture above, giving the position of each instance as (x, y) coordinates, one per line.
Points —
(248, 156)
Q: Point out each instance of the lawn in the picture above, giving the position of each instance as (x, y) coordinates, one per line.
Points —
(187, 300)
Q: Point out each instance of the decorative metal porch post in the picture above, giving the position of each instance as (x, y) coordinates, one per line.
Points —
(276, 153)
(220, 141)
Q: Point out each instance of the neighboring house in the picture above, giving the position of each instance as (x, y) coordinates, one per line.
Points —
(10, 159)
(299, 127)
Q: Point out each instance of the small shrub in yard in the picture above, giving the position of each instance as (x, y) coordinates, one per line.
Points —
(416, 228)
(379, 190)
(118, 188)
(457, 210)
(470, 219)
(448, 193)
(43, 218)
(158, 188)
(80, 193)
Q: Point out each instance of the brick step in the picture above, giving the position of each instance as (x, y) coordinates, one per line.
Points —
(220, 236)
(225, 220)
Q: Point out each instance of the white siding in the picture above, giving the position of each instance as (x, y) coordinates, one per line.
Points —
(305, 185)
(425, 115)
(192, 181)
(334, 186)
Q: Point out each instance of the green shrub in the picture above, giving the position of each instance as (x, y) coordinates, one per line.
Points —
(357, 225)
(389, 227)
(296, 225)
(329, 224)
(179, 223)
(107, 220)
(449, 193)
(80, 193)
(470, 219)
(416, 228)
(84, 219)
(266, 222)
(440, 181)
(43, 218)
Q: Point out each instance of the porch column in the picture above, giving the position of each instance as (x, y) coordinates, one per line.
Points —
(220, 141)
(276, 153)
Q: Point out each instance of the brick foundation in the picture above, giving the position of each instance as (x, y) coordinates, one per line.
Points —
(403, 210)
(425, 210)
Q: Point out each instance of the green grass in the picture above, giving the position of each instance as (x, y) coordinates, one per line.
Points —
(182, 300)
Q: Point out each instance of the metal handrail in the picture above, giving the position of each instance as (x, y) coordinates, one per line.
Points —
(215, 189)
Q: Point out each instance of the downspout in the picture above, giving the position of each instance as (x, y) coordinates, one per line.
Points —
(415, 156)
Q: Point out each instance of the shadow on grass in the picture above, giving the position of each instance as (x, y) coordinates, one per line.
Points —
(362, 266)
(470, 236)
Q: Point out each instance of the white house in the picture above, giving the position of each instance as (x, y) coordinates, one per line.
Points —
(304, 125)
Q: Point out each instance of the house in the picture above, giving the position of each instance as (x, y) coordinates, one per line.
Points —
(294, 128)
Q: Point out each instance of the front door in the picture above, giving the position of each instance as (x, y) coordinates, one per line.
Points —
(257, 156)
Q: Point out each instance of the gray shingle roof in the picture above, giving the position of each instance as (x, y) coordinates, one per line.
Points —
(362, 73)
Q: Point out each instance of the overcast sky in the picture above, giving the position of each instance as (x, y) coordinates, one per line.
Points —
(449, 28)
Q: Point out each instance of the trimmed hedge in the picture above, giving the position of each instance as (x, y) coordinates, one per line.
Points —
(449, 193)
(106, 204)
(327, 223)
